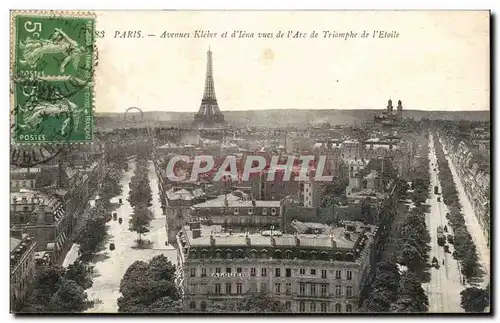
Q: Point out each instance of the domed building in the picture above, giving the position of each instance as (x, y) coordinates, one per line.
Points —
(389, 116)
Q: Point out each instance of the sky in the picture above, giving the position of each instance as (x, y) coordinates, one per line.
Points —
(439, 61)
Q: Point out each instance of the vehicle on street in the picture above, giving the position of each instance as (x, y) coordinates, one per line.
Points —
(436, 190)
(441, 239)
(439, 199)
(445, 228)
(111, 246)
(120, 201)
(435, 263)
(120, 220)
(114, 216)
(446, 248)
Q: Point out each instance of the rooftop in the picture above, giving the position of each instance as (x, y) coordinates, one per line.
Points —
(235, 201)
(14, 242)
(264, 239)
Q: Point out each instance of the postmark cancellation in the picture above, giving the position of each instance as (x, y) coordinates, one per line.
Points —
(52, 70)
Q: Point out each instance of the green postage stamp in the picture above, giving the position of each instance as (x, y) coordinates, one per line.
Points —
(52, 69)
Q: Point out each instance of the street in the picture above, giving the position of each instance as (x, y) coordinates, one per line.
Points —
(472, 223)
(445, 283)
(111, 265)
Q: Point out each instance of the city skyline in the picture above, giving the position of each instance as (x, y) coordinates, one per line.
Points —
(432, 66)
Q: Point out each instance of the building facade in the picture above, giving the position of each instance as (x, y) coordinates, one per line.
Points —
(233, 212)
(22, 266)
(308, 273)
(42, 217)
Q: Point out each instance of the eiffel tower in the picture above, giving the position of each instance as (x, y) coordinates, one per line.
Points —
(209, 114)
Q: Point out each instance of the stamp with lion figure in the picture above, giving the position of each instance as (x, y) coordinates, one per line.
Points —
(52, 73)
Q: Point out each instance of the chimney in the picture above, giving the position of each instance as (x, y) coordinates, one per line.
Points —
(247, 239)
(347, 235)
(297, 240)
(332, 239)
(196, 233)
(212, 239)
(49, 218)
(194, 225)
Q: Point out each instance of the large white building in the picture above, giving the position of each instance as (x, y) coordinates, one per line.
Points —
(307, 272)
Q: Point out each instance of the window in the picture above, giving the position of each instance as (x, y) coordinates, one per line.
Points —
(313, 289)
(348, 308)
(338, 274)
(239, 270)
(324, 288)
(203, 288)
(312, 307)
(288, 305)
(203, 272)
(203, 306)
(192, 305)
(277, 272)
(323, 273)
(288, 272)
(338, 290)
(338, 308)
(323, 308)
(313, 272)
(302, 271)
(288, 288)
(217, 270)
(239, 288)
(228, 288)
(302, 289)
(348, 291)
(302, 307)
(349, 275)
(277, 288)
(250, 211)
(263, 272)
(228, 270)
(193, 272)
(236, 211)
(193, 288)
(263, 287)
(252, 272)
(217, 289)
(273, 211)
(264, 211)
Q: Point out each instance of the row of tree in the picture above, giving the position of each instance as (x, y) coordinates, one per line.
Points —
(93, 235)
(140, 198)
(414, 242)
(465, 249)
(389, 289)
(57, 289)
(60, 290)
(394, 291)
(414, 234)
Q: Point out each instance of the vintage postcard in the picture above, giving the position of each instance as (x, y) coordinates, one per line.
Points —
(291, 162)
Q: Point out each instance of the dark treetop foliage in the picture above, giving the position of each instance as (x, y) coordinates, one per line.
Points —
(149, 286)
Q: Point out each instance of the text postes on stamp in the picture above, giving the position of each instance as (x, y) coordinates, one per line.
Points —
(52, 74)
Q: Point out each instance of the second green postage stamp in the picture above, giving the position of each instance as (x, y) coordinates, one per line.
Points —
(52, 76)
